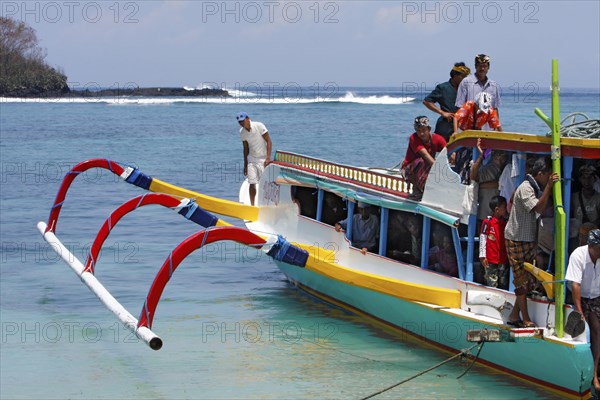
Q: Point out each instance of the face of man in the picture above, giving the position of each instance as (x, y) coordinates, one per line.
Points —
(500, 159)
(457, 79)
(543, 177)
(245, 123)
(481, 70)
(424, 133)
(587, 181)
(594, 252)
(364, 212)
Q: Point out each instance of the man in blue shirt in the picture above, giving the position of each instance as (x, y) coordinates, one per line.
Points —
(445, 95)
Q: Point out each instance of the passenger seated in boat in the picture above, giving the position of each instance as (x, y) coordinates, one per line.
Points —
(306, 199)
(420, 154)
(585, 203)
(474, 115)
(334, 209)
(487, 176)
(492, 249)
(398, 245)
(414, 226)
(442, 258)
(365, 228)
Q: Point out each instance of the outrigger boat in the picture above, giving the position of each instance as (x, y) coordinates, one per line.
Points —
(449, 312)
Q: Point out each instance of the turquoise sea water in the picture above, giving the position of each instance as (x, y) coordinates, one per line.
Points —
(231, 324)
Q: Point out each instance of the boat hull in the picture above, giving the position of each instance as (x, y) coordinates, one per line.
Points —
(528, 358)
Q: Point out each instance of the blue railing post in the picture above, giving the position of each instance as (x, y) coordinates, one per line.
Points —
(522, 166)
(350, 220)
(567, 181)
(320, 195)
(425, 242)
(383, 225)
(471, 232)
(459, 256)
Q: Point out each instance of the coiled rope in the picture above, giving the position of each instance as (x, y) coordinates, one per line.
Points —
(585, 129)
(464, 352)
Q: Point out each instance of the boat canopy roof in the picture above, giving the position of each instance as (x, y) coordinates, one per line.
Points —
(509, 141)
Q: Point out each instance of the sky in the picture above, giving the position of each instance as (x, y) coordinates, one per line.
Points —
(316, 42)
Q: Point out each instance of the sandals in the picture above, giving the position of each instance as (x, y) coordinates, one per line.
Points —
(517, 324)
(520, 324)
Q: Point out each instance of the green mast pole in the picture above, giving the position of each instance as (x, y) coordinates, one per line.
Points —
(559, 212)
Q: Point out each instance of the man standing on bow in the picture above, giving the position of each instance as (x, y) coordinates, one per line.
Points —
(472, 85)
(445, 95)
(257, 150)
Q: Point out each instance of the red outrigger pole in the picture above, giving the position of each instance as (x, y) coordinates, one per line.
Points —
(164, 200)
(185, 248)
(129, 174)
(70, 177)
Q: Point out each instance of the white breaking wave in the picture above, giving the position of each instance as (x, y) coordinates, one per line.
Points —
(246, 98)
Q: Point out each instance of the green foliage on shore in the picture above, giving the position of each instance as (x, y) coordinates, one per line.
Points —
(23, 71)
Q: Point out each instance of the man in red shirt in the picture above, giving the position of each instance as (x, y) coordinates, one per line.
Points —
(420, 154)
(492, 250)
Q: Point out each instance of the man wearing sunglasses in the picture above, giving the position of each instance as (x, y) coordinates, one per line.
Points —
(257, 150)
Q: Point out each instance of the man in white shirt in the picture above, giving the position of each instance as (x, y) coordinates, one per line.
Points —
(584, 272)
(257, 150)
(477, 83)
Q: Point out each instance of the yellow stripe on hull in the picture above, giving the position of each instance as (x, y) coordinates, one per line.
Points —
(212, 204)
(320, 261)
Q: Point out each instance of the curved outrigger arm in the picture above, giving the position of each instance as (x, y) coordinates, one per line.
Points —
(186, 207)
(70, 177)
(185, 248)
(136, 177)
